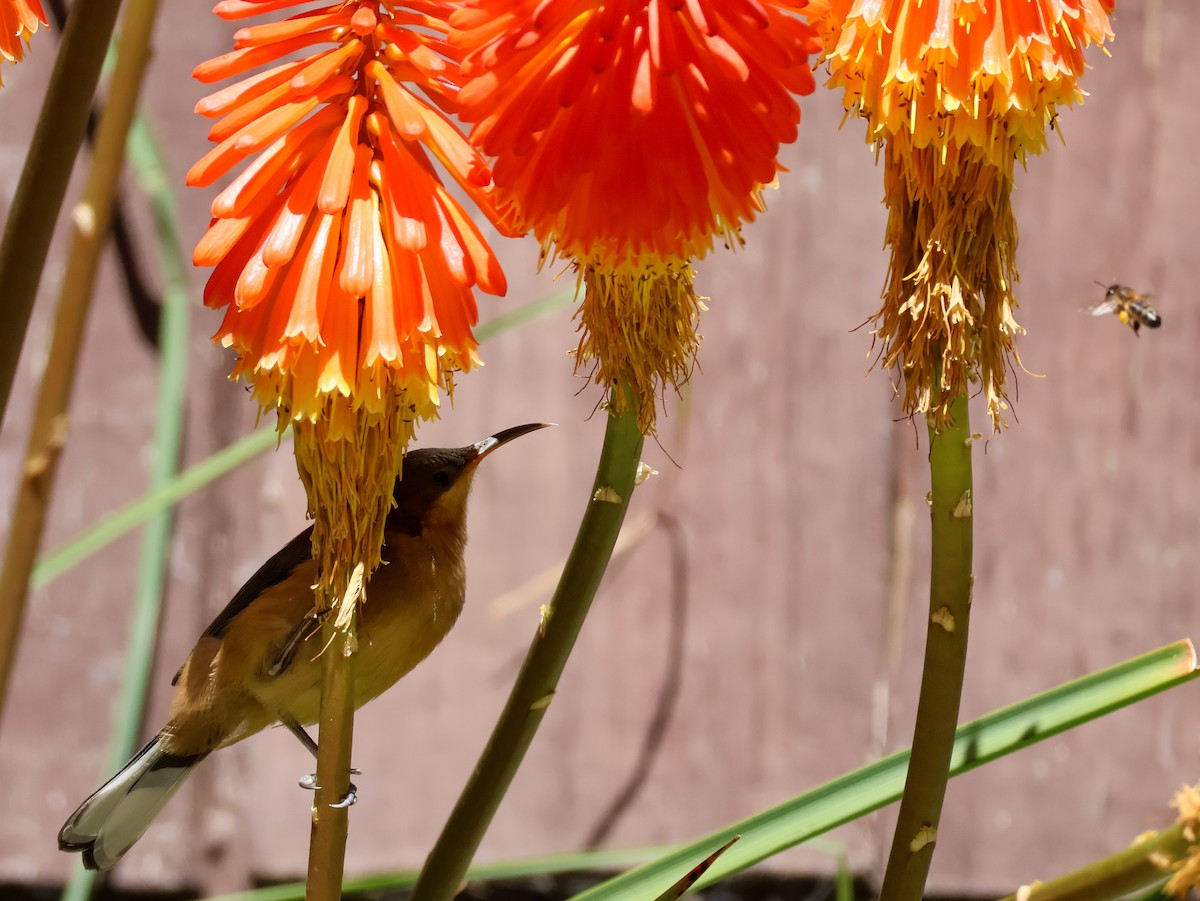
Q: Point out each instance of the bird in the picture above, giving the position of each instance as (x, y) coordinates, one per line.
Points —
(258, 663)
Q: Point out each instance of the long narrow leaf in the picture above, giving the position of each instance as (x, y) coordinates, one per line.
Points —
(681, 888)
(872, 787)
(115, 524)
(146, 160)
(508, 869)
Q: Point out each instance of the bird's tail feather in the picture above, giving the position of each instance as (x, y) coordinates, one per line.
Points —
(108, 823)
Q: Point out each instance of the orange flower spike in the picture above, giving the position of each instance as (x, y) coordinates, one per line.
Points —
(324, 271)
(940, 69)
(957, 92)
(547, 56)
(628, 135)
(19, 21)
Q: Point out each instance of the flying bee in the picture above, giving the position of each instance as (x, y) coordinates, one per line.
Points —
(1131, 307)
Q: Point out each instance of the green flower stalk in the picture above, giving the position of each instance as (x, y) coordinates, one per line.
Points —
(26, 239)
(533, 692)
(43, 182)
(954, 95)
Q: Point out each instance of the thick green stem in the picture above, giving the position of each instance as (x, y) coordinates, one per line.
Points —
(330, 811)
(1137, 867)
(951, 583)
(544, 663)
(147, 161)
(90, 217)
(48, 164)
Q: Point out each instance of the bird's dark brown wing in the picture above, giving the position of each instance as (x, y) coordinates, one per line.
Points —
(281, 565)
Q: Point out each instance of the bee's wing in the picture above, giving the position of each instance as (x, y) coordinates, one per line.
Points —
(1103, 309)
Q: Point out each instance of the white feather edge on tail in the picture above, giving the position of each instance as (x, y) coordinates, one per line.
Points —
(108, 823)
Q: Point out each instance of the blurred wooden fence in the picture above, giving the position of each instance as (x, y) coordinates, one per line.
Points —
(784, 545)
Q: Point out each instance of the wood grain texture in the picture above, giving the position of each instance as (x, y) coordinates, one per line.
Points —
(1086, 549)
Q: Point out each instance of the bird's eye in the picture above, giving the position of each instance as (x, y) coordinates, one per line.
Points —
(441, 478)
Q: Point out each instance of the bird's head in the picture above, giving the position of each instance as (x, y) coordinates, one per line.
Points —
(433, 487)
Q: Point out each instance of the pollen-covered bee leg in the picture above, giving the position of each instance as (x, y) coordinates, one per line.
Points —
(309, 780)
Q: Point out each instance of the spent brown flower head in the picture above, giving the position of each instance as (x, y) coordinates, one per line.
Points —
(956, 92)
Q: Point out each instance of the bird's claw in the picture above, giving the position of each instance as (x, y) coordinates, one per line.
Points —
(309, 781)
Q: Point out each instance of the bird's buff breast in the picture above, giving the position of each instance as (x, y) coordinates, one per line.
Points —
(410, 604)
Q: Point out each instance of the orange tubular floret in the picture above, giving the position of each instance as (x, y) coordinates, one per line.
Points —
(407, 283)
(19, 21)
(289, 29)
(250, 110)
(274, 124)
(284, 235)
(403, 185)
(454, 305)
(221, 102)
(335, 187)
(256, 281)
(452, 150)
(273, 167)
(458, 264)
(236, 62)
(325, 65)
(316, 278)
(402, 108)
(356, 269)
(339, 351)
(486, 271)
(379, 337)
(243, 9)
(222, 284)
(223, 234)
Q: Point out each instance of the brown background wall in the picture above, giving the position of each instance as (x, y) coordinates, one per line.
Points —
(792, 470)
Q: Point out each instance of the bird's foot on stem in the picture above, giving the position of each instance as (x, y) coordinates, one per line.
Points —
(309, 781)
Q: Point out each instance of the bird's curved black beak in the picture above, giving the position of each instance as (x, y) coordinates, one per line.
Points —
(489, 444)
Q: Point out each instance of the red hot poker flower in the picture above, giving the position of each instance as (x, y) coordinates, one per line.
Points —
(345, 266)
(628, 135)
